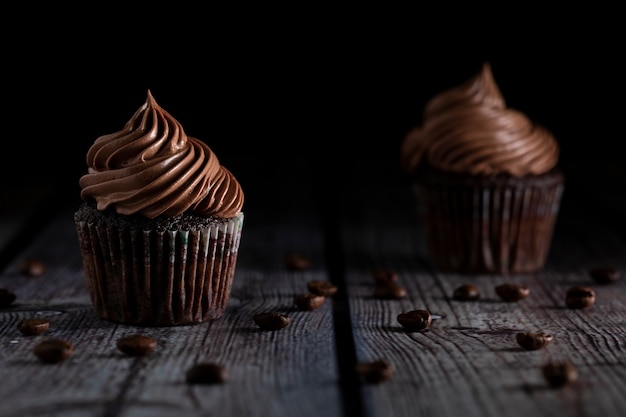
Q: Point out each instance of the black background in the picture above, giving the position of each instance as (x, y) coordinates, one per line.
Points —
(333, 86)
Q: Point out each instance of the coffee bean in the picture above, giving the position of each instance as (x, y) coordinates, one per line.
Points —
(53, 350)
(415, 320)
(580, 296)
(309, 302)
(319, 287)
(136, 344)
(466, 292)
(559, 374)
(32, 327)
(512, 292)
(604, 275)
(32, 267)
(390, 291)
(206, 373)
(271, 320)
(295, 261)
(533, 341)
(375, 371)
(384, 276)
(6, 297)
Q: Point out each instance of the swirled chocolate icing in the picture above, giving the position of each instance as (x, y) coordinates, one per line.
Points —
(469, 129)
(151, 167)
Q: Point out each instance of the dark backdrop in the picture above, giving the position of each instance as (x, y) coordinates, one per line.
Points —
(330, 89)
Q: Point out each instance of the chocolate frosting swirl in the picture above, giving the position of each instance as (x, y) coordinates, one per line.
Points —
(151, 167)
(469, 129)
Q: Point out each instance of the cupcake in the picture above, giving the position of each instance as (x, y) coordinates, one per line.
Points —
(159, 224)
(486, 180)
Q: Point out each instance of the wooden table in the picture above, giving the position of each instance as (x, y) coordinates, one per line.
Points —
(347, 223)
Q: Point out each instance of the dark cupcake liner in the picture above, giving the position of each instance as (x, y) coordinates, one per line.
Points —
(491, 225)
(159, 278)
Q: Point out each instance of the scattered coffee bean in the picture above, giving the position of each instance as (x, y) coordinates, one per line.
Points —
(271, 320)
(391, 291)
(415, 320)
(559, 374)
(375, 372)
(533, 341)
(206, 373)
(136, 344)
(6, 297)
(53, 350)
(580, 296)
(32, 267)
(384, 276)
(604, 275)
(512, 292)
(309, 302)
(466, 292)
(325, 288)
(295, 261)
(32, 327)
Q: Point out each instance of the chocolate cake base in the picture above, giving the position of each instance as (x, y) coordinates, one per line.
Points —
(489, 225)
(161, 272)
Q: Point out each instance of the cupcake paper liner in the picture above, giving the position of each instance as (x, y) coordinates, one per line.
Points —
(495, 225)
(159, 278)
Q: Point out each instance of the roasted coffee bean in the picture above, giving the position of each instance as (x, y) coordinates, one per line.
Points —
(319, 287)
(295, 261)
(604, 275)
(559, 374)
(415, 320)
(271, 320)
(390, 291)
(309, 302)
(580, 296)
(384, 276)
(466, 292)
(512, 292)
(53, 350)
(6, 297)
(32, 267)
(32, 327)
(136, 344)
(375, 371)
(533, 341)
(206, 373)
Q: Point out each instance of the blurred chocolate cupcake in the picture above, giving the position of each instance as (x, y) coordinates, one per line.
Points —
(486, 181)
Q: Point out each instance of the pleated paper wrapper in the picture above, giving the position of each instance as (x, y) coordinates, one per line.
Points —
(493, 225)
(151, 278)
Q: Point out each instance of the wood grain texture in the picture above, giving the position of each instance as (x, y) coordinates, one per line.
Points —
(469, 364)
(291, 372)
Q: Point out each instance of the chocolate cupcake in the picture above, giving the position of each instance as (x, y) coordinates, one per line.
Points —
(160, 224)
(486, 181)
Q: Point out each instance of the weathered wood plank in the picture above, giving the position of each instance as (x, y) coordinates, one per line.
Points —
(288, 372)
(469, 364)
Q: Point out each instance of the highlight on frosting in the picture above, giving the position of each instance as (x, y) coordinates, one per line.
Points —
(469, 129)
(151, 167)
